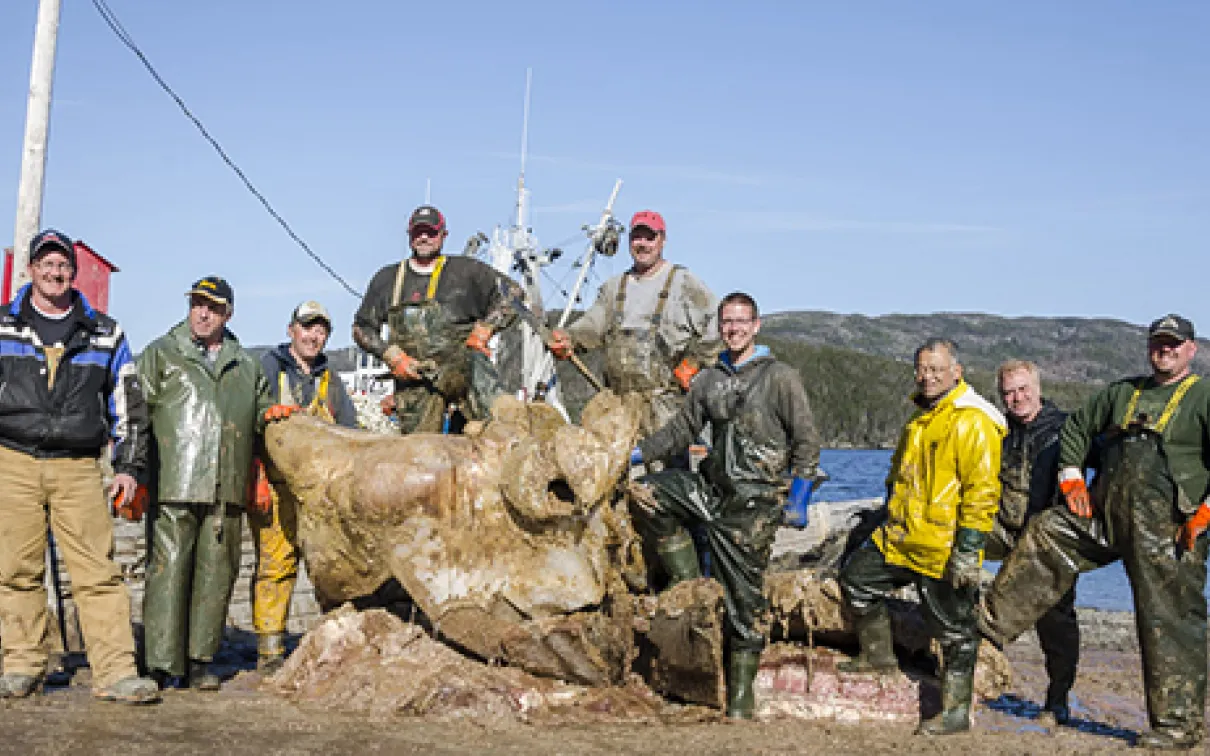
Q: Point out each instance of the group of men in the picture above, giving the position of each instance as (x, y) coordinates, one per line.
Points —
(965, 482)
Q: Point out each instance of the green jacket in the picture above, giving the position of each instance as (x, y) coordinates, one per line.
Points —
(1186, 437)
(205, 419)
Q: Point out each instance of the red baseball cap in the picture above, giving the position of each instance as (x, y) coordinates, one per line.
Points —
(427, 215)
(649, 218)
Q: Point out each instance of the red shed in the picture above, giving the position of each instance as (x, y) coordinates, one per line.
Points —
(92, 275)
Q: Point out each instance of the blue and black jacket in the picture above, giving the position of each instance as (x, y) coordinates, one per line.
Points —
(96, 394)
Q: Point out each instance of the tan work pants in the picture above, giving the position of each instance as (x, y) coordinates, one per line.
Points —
(69, 492)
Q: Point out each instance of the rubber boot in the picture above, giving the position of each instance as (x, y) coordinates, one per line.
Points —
(741, 673)
(270, 652)
(678, 555)
(877, 644)
(957, 690)
(202, 678)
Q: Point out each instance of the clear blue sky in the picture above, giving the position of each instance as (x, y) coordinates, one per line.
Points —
(1027, 158)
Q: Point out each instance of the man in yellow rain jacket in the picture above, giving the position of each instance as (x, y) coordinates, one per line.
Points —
(298, 374)
(943, 493)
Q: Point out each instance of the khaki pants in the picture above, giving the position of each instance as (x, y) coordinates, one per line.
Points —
(276, 536)
(69, 492)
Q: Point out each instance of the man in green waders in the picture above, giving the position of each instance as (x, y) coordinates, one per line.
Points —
(208, 400)
(1148, 507)
(440, 313)
(761, 428)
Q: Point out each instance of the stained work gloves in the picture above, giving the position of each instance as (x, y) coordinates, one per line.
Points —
(1071, 483)
(795, 513)
(964, 569)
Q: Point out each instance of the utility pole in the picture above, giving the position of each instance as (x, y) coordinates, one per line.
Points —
(37, 128)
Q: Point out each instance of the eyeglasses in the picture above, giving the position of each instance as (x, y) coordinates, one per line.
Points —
(53, 267)
(425, 231)
(737, 321)
(931, 370)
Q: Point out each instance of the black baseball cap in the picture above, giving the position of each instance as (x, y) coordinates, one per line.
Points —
(215, 289)
(426, 215)
(1172, 325)
(49, 241)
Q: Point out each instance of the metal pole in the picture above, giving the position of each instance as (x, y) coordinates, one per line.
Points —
(37, 128)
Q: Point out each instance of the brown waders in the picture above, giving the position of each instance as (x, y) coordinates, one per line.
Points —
(866, 580)
(1058, 633)
(739, 527)
(1137, 513)
(191, 571)
(465, 382)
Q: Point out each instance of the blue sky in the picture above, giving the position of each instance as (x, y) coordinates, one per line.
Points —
(1027, 158)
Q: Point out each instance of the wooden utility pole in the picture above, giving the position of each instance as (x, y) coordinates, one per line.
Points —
(37, 129)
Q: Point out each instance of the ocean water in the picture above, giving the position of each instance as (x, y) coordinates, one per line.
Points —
(860, 474)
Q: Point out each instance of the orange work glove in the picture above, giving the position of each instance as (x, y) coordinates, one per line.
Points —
(684, 373)
(1076, 494)
(280, 412)
(1194, 527)
(560, 345)
(387, 405)
(403, 366)
(479, 337)
(262, 501)
(133, 508)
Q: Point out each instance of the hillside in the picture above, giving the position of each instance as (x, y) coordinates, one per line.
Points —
(857, 369)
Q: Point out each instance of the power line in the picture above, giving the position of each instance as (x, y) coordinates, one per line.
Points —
(111, 20)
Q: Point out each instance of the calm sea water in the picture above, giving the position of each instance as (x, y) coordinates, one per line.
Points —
(860, 474)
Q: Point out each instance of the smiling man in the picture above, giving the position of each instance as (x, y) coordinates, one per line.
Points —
(1029, 466)
(298, 374)
(440, 312)
(656, 324)
(68, 387)
(943, 492)
(762, 430)
(1149, 507)
(208, 400)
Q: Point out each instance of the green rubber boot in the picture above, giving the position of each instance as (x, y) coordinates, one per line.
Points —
(741, 674)
(957, 690)
(877, 645)
(679, 557)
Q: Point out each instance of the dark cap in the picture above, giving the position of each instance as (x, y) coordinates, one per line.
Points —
(215, 289)
(1172, 325)
(426, 215)
(49, 241)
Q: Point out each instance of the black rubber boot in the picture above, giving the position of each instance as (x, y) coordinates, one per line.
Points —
(957, 690)
(202, 678)
(741, 674)
(679, 557)
(270, 653)
(877, 644)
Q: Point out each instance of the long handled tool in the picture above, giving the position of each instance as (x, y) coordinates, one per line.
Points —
(61, 676)
(534, 322)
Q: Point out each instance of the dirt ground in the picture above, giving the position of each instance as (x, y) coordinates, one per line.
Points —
(1107, 703)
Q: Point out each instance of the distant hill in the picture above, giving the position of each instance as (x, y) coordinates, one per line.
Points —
(857, 369)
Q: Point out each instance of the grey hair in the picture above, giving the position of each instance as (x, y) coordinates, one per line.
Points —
(934, 344)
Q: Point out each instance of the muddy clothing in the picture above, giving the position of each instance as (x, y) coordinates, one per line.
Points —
(1148, 473)
(321, 387)
(1029, 469)
(647, 325)
(762, 429)
(944, 476)
(429, 316)
(275, 533)
(58, 410)
(207, 409)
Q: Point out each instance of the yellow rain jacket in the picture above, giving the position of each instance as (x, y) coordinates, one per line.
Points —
(944, 476)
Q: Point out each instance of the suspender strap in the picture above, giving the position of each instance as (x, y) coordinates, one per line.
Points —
(318, 402)
(402, 273)
(619, 302)
(1169, 408)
